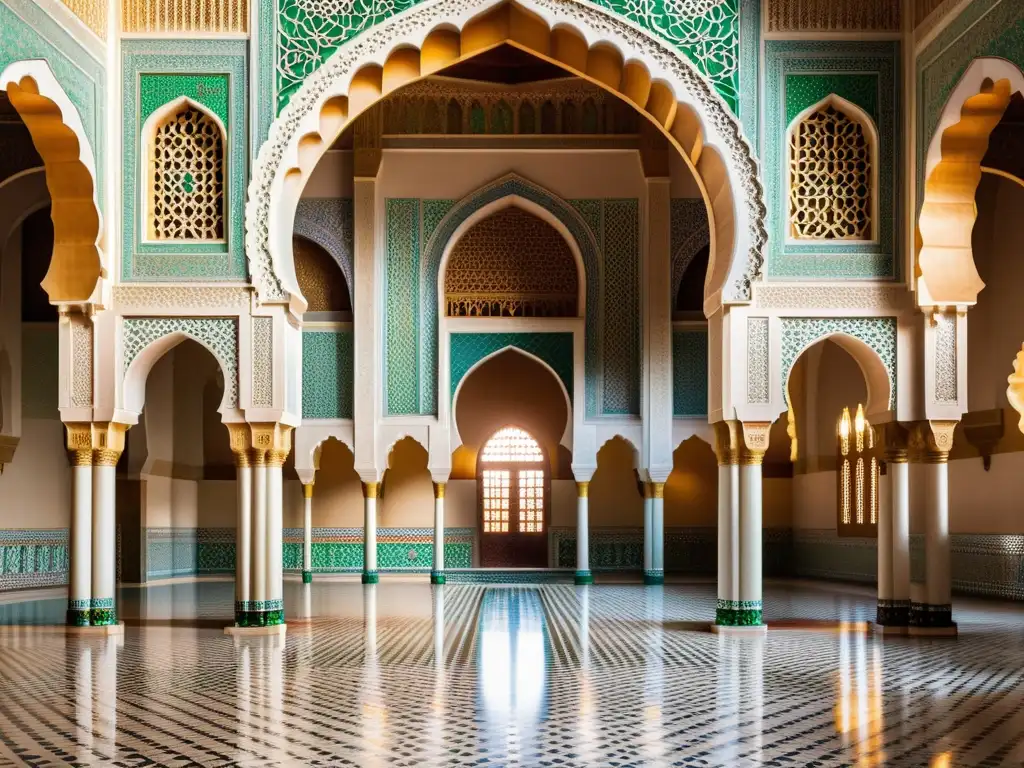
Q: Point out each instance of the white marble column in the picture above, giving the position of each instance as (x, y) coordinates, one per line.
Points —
(657, 575)
(103, 611)
(307, 533)
(243, 537)
(80, 565)
(370, 491)
(727, 451)
(437, 572)
(893, 611)
(583, 574)
(275, 537)
(258, 581)
(648, 533)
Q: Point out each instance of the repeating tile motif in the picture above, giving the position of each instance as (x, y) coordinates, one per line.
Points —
(327, 221)
(843, 65)
(620, 245)
(706, 32)
(555, 349)
(945, 359)
(327, 374)
(758, 361)
(689, 233)
(879, 333)
(982, 28)
(222, 65)
(803, 91)
(401, 287)
(33, 558)
(217, 334)
(690, 372)
(263, 362)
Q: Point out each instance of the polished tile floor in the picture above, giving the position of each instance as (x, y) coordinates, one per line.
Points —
(403, 674)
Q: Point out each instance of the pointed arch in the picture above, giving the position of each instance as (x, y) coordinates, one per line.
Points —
(59, 136)
(860, 118)
(588, 42)
(156, 188)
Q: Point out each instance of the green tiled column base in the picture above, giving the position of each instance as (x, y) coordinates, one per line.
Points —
(371, 577)
(654, 578)
(437, 577)
(307, 577)
(78, 613)
(584, 577)
(893, 613)
(738, 613)
(102, 612)
(253, 613)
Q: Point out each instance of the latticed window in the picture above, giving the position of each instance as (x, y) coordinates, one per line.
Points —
(858, 475)
(513, 483)
(511, 264)
(830, 177)
(187, 177)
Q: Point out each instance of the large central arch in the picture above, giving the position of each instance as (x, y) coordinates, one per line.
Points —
(587, 42)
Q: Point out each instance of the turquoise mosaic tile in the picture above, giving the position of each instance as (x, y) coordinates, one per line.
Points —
(690, 372)
(327, 374)
(33, 558)
(555, 349)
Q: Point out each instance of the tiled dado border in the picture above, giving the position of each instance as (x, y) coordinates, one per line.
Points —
(33, 558)
(172, 552)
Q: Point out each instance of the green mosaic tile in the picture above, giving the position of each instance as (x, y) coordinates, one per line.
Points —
(327, 372)
(555, 349)
(690, 372)
(210, 91)
(803, 91)
(401, 338)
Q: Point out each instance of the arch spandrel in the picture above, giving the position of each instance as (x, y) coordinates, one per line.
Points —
(586, 41)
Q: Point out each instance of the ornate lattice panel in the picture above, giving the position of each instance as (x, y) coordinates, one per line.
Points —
(830, 177)
(511, 264)
(857, 476)
(188, 177)
(182, 15)
(835, 15)
(93, 14)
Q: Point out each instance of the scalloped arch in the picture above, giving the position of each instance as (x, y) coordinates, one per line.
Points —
(76, 266)
(583, 39)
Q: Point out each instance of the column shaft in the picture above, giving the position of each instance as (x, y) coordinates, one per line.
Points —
(275, 535)
(243, 540)
(657, 572)
(307, 533)
(102, 610)
(648, 531)
(370, 575)
(258, 580)
(899, 473)
(583, 575)
(728, 535)
(80, 576)
(939, 608)
(437, 573)
(750, 543)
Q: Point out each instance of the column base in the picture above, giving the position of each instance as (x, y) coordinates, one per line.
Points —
(101, 630)
(437, 577)
(654, 578)
(78, 613)
(371, 577)
(583, 577)
(893, 613)
(307, 577)
(273, 629)
(755, 630)
(738, 613)
(254, 614)
(102, 612)
(931, 616)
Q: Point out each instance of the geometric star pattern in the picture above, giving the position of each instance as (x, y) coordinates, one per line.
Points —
(405, 674)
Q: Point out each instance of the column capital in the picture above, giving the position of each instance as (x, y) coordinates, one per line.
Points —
(896, 438)
(307, 490)
(371, 490)
(727, 442)
(755, 442)
(931, 441)
(438, 490)
(657, 490)
(648, 490)
(582, 489)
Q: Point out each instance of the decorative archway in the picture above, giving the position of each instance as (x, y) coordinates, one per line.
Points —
(586, 41)
(945, 271)
(60, 139)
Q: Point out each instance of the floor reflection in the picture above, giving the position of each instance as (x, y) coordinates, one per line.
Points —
(463, 675)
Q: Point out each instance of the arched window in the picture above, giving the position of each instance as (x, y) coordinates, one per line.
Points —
(858, 475)
(187, 175)
(832, 173)
(513, 500)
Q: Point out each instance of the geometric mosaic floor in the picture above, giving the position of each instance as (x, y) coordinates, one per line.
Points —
(403, 674)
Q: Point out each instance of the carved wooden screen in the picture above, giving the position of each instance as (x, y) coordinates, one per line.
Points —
(830, 177)
(187, 177)
(858, 476)
(511, 264)
(513, 501)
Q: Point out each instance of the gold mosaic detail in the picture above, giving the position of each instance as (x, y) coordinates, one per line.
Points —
(835, 15)
(320, 278)
(830, 177)
(93, 14)
(188, 177)
(182, 15)
(511, 264)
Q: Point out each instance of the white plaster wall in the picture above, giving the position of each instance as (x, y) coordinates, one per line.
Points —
(563, 503)
(814, 500)
(35, 489)
(332, 176)
(157, 501)
(456, 173)
(216, 503)
(460, 502)
(185, 503)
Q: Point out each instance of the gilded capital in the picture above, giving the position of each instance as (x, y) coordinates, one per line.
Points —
(897, 442)
(727, 442)
(658, 490)
(276, 458)
(755, 442)
(106, 457)
(583, 489)
(370, 490)
(307, 490)
(438, 490)
(80, 458)
(931, 441)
